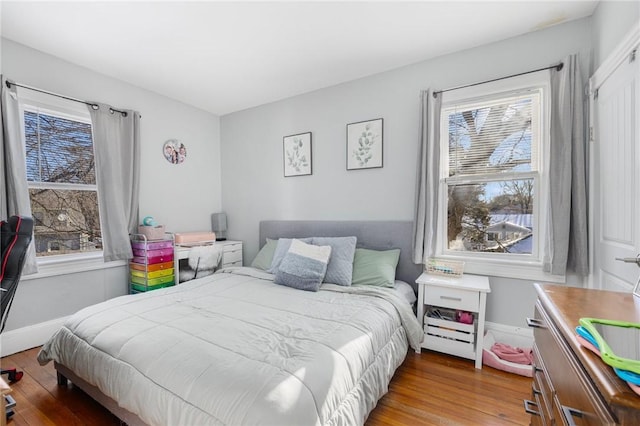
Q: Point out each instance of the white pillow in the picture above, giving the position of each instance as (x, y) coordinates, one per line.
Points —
(281, 250)
(405, 291)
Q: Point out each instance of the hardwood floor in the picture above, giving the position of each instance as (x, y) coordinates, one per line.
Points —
(428, 389)
(437, 389)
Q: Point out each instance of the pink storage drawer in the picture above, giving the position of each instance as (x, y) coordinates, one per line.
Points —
(155, 245)
(152, 260)
(153, 253)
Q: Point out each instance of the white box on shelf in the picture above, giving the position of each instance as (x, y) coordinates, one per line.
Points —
(452, 347)
(450, 329)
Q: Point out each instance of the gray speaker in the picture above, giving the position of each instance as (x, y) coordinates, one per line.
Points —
(219, 225)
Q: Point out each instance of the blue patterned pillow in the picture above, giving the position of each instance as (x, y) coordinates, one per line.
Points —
(281, 251)
(304, 266)
(340, 267)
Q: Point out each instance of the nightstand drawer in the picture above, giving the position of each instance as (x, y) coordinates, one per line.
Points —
(232, 256)
(232, 247)
(452, 298)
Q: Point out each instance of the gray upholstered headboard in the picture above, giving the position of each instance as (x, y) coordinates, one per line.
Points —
(376, 235)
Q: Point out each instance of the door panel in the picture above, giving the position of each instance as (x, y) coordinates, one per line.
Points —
(615, 157)
(613, 283)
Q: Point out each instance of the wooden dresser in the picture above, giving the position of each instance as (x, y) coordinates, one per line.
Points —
(571, 385)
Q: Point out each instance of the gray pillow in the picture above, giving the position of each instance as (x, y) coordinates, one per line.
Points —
(340, 266)
(374, 267)
(303, 266)
(265, 256)
(281, 250)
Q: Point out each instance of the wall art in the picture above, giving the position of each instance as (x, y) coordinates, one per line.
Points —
(364, 144)
(296, 150)
(174, 152)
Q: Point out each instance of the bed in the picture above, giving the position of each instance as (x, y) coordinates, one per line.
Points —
(236, 348)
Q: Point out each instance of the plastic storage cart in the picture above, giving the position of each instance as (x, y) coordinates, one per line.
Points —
(152, 265)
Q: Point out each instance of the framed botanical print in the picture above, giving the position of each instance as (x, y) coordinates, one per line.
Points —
(364, 144)
(296, 151)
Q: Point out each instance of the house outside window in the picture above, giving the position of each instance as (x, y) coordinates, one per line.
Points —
(493, 176)
(61, 178)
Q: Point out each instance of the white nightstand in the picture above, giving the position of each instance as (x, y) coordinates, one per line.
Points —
(445, 296)
(231, 255)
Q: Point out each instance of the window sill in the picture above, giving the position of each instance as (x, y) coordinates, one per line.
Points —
(531, 271)
(64, 265)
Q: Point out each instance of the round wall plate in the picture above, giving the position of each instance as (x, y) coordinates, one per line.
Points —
(174, 152)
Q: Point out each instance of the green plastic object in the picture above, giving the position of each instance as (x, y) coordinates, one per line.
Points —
(618, 341)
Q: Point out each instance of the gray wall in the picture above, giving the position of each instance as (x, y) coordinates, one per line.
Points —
(255, 189)
(179, 196)
(611, 21)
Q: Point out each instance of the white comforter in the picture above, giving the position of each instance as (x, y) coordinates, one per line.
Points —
(237, 349)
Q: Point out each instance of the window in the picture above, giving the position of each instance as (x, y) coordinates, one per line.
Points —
(493, 177)
(61, 179)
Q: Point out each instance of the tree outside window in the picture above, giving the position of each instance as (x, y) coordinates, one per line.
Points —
(491, 174)
(62, 183)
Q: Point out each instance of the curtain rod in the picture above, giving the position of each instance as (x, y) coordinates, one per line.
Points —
(91, 104)
(558, 67)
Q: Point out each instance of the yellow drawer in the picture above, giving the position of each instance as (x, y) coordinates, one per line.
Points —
(152, 281)
(152, 274)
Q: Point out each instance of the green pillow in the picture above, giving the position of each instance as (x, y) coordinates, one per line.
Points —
(374, 267)
(265, 255)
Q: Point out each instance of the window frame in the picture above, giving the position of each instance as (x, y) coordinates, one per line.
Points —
(54, 265)
(512, 265)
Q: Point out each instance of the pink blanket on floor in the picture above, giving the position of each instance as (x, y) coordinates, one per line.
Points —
(511, 354)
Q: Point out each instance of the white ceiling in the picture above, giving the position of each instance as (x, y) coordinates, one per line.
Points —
(228, 56)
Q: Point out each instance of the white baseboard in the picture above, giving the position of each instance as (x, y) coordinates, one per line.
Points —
(24, 338)
(522, 335)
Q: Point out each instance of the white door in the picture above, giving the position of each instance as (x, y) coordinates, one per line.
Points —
(615, 183)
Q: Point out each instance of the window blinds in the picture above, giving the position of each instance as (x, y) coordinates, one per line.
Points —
(494, 137)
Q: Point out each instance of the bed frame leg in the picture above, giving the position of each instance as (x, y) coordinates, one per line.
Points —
(62, 381)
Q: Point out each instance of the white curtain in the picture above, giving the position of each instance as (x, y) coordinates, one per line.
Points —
(427, 183)
(567, 244)
(116, 144)
(14, 193)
